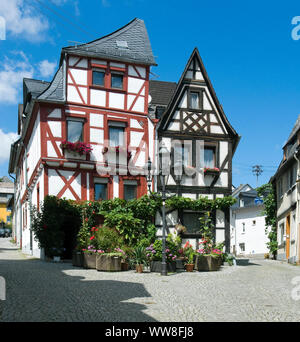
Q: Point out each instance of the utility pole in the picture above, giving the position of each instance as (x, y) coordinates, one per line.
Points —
(257, 171)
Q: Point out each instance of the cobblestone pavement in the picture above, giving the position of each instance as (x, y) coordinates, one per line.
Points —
(45, 291)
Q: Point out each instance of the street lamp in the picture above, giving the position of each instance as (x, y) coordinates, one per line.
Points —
(164, 172)
(149, 174)
(178, 174)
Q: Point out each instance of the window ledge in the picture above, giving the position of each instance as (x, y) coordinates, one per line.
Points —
(108, 89)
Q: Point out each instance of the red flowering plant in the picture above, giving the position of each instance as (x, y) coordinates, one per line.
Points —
(79, 147)
(206, 246)
(211, 169)
(189, 253)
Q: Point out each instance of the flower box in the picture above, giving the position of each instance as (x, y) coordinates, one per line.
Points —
(74, 155)
(89, 260)
(77, 259)
(77, 150)
(156, 266)
(206, 263)
(211, 171)
(108, 263)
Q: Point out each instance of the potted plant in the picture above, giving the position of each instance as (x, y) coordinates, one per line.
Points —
(139, 257)
(89, 257)
(213, 171)
(124, 262)
(189, 254)
(109, 262)
(207, 257)
(154, 254)
(77, 258)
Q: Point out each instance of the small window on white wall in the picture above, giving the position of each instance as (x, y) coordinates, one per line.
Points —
(253, 222)
(243, 228)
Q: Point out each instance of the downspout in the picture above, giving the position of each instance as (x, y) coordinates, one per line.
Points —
(14, 213)
(29, 194)
(297, 212)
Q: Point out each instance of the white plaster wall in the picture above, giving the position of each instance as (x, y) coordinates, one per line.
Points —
(98, 97)
(96, 120)
(254, 237)
(79, 76)
(116, 100)
(34, 147)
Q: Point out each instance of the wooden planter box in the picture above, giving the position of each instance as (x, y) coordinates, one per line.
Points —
(124, 266)
(156, 266)
(108, 263)
(74, 155)
(77, 259)
(89, 260)
(207, 263)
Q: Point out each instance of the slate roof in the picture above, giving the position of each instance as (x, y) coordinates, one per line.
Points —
(55, 91)
(34, 87)
(294, 131)
(134, 34)
(161, 92)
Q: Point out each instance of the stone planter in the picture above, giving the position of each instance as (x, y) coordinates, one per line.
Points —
(156, 266)
(77, 259)
(206, 263)
(89, 260)
(108, 263)
(124, 266)
(189, 267)
(180, 264)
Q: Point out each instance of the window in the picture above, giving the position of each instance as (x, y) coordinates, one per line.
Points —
(98, 77)
(116, 133)
(117, 81)
(100, 192)
(253, 223)
(242, 247)
(8, 219)
(209, 157)
(244, 230)
(74, 130)
(183, 154)
(130, 190)
(191, 221)
(194, 100)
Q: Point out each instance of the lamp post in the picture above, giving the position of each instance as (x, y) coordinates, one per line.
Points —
(164, 173)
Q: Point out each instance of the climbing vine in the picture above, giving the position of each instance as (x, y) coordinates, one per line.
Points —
(267, 192)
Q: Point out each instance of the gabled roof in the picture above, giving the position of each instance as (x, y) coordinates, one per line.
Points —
(240, 189)
(130, 43)
(182, 81)
(33, 87)
(55, 90)
(161, 92)
(294, 131)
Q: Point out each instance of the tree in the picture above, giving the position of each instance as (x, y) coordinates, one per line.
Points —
(267, 192)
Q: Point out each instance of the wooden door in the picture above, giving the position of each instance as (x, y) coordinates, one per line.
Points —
(287, 234)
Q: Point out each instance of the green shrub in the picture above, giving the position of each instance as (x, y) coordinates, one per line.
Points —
(107, 239)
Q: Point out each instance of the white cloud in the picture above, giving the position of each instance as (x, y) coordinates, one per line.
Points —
(6, 140)
(46, 68)
(23, 19)
(12, 73)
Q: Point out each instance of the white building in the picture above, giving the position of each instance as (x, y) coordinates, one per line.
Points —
(248, 230)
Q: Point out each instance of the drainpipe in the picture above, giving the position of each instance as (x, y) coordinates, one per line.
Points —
(297, 212)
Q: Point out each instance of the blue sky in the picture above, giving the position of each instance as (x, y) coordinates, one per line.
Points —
(247, 49)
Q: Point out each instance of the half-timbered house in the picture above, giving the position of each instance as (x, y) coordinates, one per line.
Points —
(99, 97)
(194, 128)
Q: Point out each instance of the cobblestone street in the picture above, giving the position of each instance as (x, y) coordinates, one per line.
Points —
(44, 291)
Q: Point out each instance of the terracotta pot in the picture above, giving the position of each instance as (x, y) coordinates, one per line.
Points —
(139, 268)
(189, 267)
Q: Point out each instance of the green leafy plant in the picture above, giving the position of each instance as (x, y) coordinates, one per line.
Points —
(267, 192)
(139, 255)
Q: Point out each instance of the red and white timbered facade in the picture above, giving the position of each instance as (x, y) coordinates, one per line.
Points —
(100, 100)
